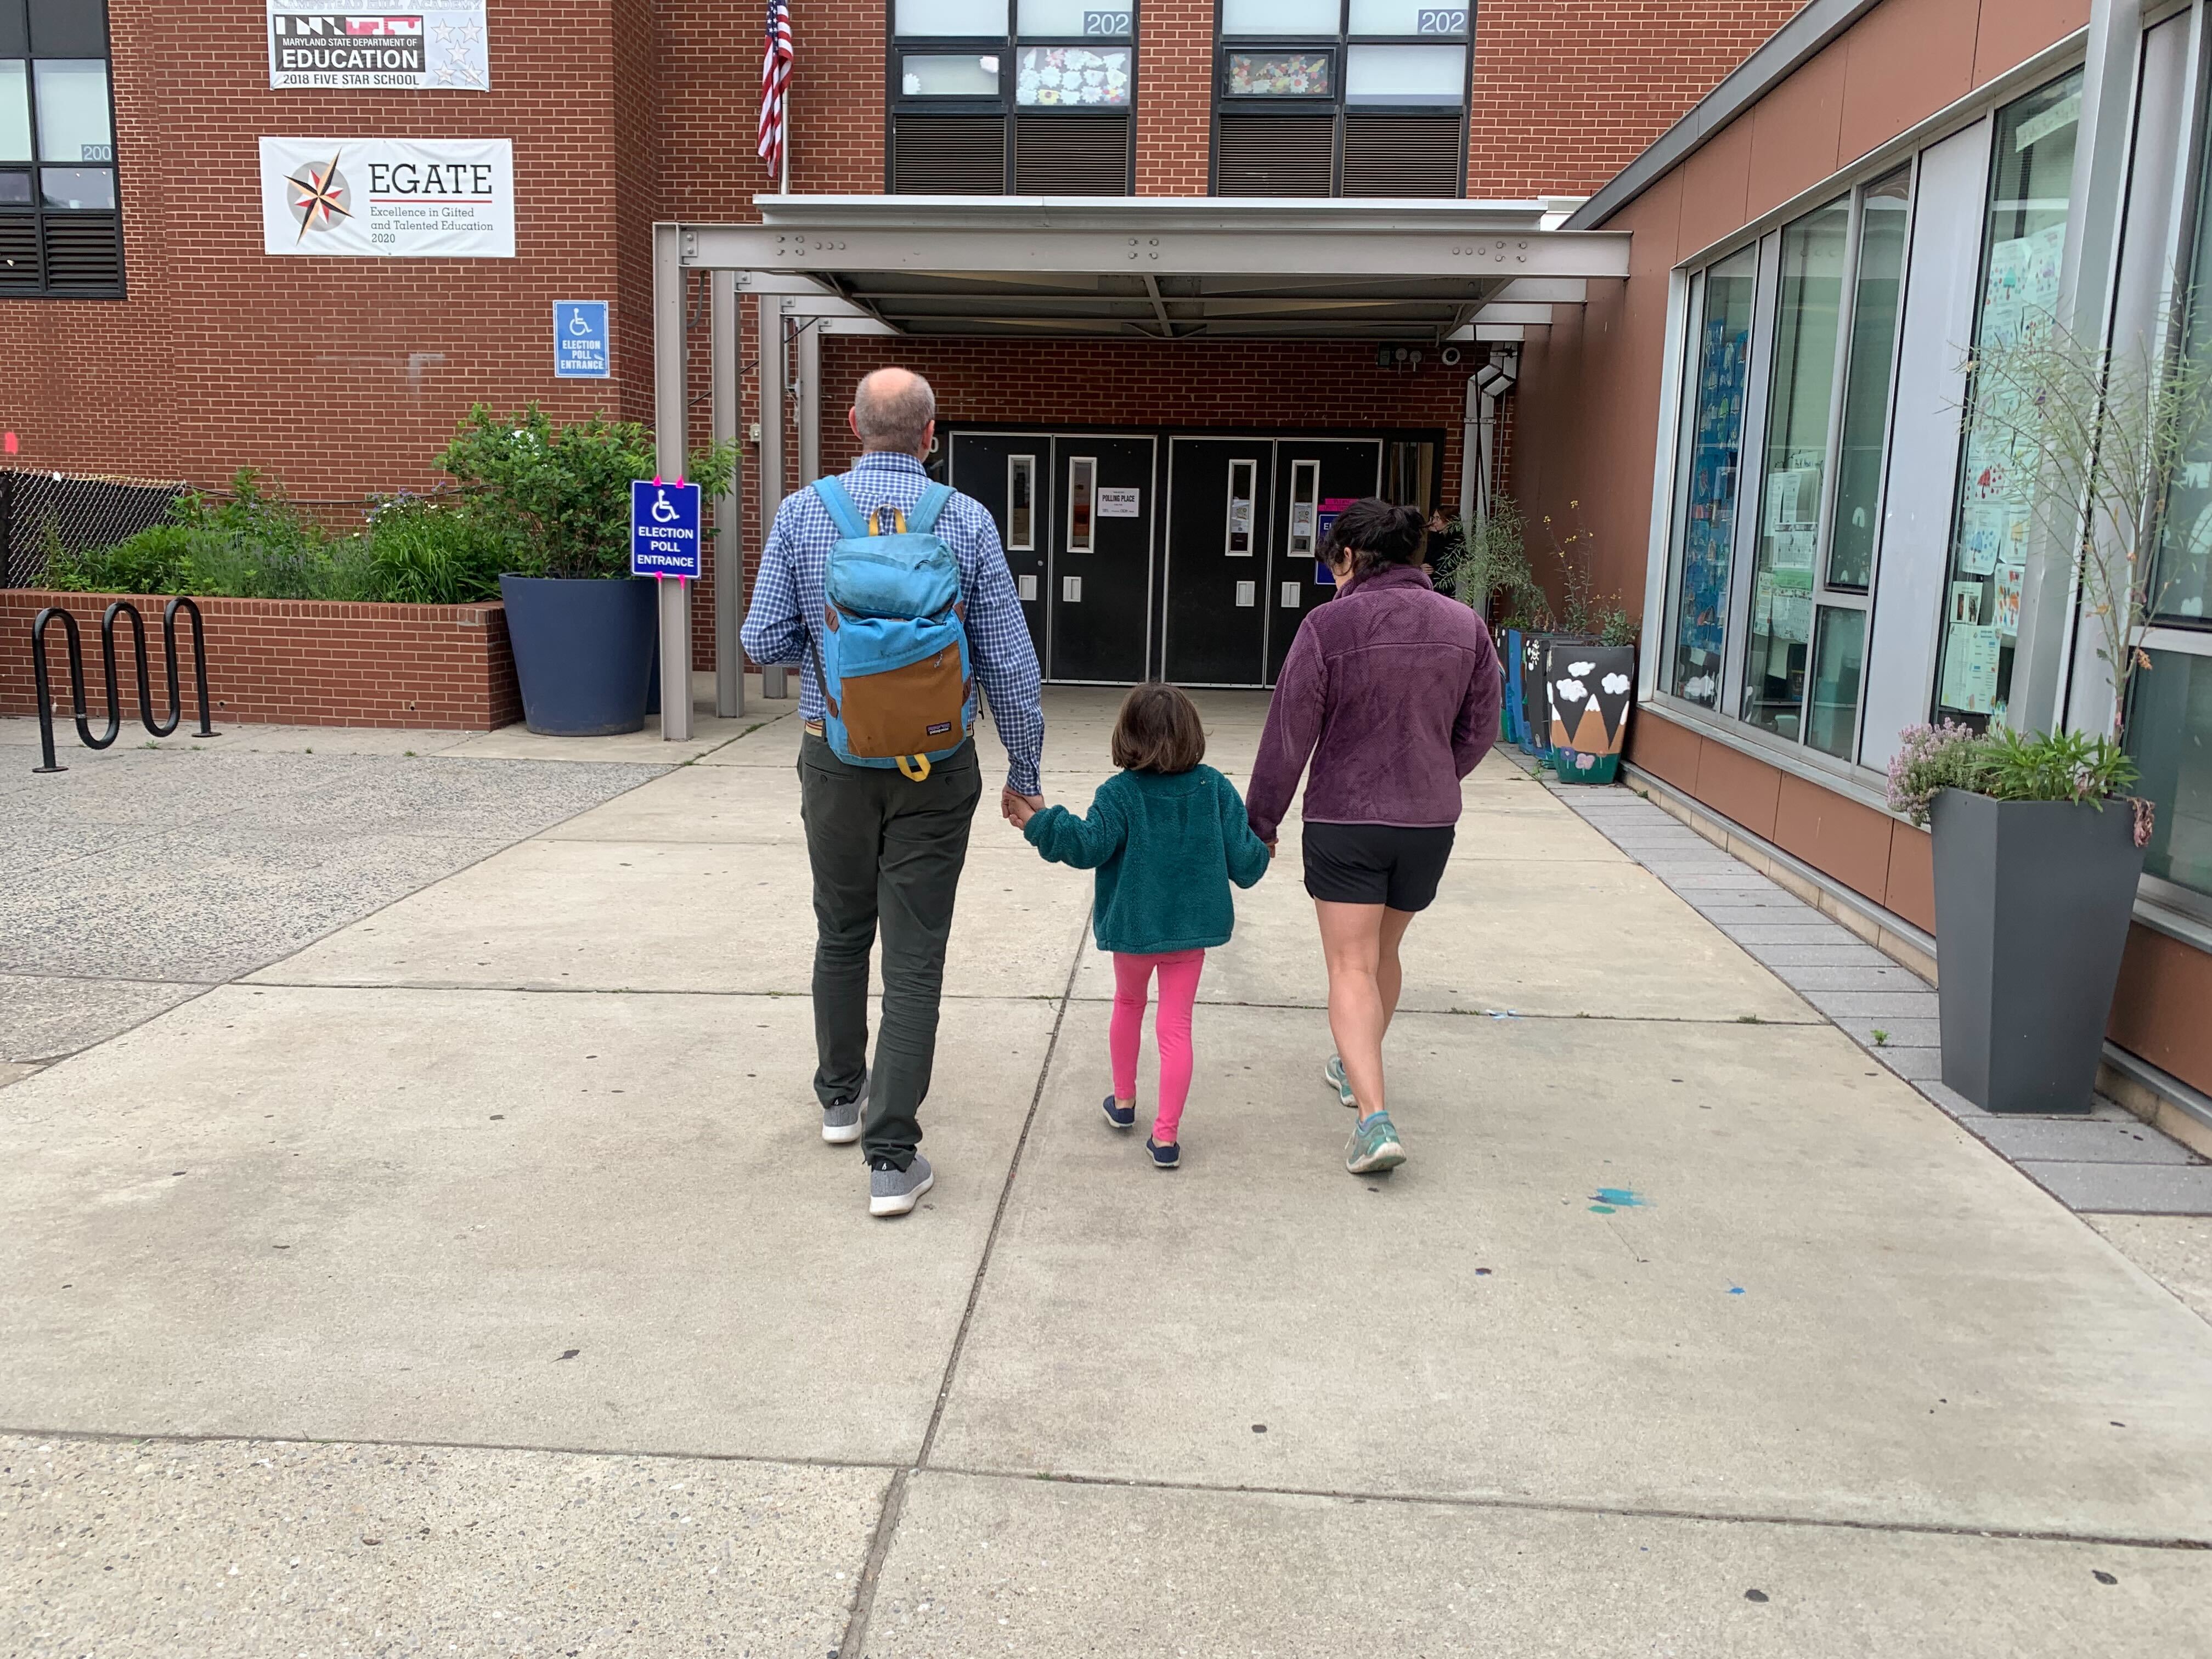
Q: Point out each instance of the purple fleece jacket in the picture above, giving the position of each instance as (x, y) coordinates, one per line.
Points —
(1392, 690)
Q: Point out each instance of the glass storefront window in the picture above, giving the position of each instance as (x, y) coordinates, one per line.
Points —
(2031, 177)
(2169, 735)
(74, 123)
(15, 110)
(971, 18)
(1405, 74)
(1839, 665)
(1877, 293)
(1719, 367)
(1286, 18)
(1793, 474)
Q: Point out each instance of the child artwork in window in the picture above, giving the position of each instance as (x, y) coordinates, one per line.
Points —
(1059, 77)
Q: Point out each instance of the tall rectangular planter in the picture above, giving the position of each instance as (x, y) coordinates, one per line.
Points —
(293, 662)
(2033, 903)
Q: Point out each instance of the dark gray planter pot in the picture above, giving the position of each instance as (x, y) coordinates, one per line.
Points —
(2033, 903)
(583, 652)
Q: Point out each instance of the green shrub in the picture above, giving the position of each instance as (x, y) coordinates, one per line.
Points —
(562, 493)
(420, 551)
(156, 560)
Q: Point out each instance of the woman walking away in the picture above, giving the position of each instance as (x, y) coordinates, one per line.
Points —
(1167, 837)
(1391, 689)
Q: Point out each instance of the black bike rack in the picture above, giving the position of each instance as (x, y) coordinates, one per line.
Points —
(160, 729)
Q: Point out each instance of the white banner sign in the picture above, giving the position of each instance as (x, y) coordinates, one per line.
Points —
(398, 199)
(418, 45)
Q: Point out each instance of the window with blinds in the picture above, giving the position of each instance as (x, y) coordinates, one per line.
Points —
(61, 231)
(1340, 98)
(1032, 97)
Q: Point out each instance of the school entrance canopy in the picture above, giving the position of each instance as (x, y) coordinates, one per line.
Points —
(1163, 269)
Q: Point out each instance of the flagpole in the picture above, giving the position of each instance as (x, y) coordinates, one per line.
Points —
(783, 185)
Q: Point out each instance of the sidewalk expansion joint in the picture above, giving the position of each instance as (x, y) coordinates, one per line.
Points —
(879, 1546)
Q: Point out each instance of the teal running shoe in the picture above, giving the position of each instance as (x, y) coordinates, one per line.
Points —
(1334, 1074)
(1374, 1146)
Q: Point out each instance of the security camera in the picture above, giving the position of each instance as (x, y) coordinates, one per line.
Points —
(1451, 356)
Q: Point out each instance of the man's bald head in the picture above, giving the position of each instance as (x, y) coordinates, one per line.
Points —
(893, 411)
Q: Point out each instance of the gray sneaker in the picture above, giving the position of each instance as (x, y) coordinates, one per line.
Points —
(895, 1191)
(841, 1123)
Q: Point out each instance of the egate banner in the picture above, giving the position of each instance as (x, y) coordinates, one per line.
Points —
(396, 198)
(418, 45)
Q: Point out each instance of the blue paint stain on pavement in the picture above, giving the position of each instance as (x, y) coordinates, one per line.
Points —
(1620, 1198)
(1735, 1290)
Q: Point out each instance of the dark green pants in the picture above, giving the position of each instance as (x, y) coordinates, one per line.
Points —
(887, 852)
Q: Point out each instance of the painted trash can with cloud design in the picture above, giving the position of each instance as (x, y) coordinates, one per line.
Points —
(1590, 690)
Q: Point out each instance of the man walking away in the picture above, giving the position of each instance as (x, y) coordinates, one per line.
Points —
(887, 847)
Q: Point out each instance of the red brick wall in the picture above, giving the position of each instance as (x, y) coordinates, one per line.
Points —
(1566, 94)
(1174, 97)
(287, 661)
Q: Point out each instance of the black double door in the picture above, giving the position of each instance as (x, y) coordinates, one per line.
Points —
(1245, 520)
(1076, 512)
(1191, 558)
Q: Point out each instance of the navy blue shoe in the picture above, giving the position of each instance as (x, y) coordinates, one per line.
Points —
(1121, 1117)
(1164, 1157)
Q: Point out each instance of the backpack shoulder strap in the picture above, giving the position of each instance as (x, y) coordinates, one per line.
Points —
(841, 510)
(922, 518)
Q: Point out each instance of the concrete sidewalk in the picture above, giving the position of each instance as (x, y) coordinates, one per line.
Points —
(473, 1280)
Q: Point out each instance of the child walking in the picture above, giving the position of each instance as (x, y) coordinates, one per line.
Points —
(1167, 836)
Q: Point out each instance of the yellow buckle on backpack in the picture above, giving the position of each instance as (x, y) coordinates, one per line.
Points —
(898, 519)
(913, 776)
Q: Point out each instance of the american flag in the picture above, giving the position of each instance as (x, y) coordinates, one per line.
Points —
(775, 86)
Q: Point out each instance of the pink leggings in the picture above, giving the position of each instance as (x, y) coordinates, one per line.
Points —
(1133, 976)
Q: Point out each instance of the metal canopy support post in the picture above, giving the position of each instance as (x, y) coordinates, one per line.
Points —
(670, 404)
(810, 401)
(729, 528)
(774, 376)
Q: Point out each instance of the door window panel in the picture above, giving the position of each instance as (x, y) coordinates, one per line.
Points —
(74, 123)
(1720, 367)
(1793, 472)
(2024, 240)
(1876, 296)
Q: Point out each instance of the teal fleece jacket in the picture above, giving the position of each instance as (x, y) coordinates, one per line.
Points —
(1165, 846)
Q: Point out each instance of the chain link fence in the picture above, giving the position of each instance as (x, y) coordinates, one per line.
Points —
(42, 511)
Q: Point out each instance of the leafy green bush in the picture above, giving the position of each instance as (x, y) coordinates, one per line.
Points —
(250, 543)
(562, 493)
(420, 551)
(1487, 565)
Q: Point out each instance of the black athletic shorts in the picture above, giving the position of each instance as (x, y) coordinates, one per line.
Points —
(1376, 863)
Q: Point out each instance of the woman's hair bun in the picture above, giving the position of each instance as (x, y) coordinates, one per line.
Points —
(1378, 533)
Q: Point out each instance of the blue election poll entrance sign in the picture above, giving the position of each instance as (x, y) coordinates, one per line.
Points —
(664, 529)
(579, 339)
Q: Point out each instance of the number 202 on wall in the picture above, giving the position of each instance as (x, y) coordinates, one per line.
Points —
(1439, 22)
(1113, 24)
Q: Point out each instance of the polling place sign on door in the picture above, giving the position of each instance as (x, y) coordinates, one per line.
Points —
(398, 199)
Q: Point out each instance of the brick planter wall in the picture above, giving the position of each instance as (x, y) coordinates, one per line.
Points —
(298, 662)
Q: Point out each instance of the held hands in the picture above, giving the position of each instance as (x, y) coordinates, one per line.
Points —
(1019, 809)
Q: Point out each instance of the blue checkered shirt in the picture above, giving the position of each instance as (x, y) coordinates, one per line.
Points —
(786, 613)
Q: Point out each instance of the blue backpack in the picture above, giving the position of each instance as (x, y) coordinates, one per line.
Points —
(893, 658)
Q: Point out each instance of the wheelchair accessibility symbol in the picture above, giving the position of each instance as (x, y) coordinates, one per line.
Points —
(664, 529)
(577, 326)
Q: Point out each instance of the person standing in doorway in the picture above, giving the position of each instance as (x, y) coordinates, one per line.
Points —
(887, 850)
(1392, 690)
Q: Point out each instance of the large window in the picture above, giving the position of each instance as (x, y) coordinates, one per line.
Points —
(60, 231)
(2024, 241)
(1340, 98)
(1031, 98)
(1829, 357)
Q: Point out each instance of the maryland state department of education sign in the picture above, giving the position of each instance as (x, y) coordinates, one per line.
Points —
(397, 198)
(418, 45)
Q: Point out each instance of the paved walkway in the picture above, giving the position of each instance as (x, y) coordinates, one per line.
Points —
(472, 1281)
